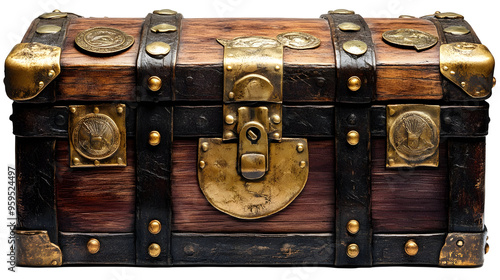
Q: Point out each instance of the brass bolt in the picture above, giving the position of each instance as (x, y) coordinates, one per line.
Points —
(353, 138)
(154, 250)
(276, 119)
(119, 109)
(93, 246)
(463, 84)
(411, 247)
(119, 160)
(445, 68)
(154, 83)
(460, 243)
(352, 251)
(202, 164)
(486, 248)
(41, 84)
(154, 138)
(154, 227)
(354, 83)
(52, 73)
(229, 119)
(452, 72)
(204, 146)
(276, 135)
(277, 67)
(72, 109)
(230, 95)
(96, 110)
(300, 147)
(228, 135)
(76, 161)
(229, 68)
(302, 164)
(352, 226)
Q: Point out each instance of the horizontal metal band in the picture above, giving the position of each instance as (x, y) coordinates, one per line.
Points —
(252, 249)
(112, 248)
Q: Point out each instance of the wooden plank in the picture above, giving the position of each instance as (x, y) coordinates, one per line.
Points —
(95, 199)
(311, 211)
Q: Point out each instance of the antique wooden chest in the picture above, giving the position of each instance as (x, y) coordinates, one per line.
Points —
(164, 141)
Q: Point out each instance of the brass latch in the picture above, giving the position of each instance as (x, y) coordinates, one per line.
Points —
(252, 171)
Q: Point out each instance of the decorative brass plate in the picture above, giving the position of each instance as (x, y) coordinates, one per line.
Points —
(470, 66)
(97, 134)
(35, 249)
(29, 68)
(413, 135)
(298, 40)
(463, 249)
(103, 40)
(232, 194)
(406, 37)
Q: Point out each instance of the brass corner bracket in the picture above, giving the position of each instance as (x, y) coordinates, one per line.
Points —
(464, 249)
(29, 68)
(33, 248)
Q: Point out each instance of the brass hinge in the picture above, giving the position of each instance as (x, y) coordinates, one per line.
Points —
(252, 171)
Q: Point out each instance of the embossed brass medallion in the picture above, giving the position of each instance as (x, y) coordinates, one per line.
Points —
(103, 40)
(406, 37)
(298, 40)
(413, 135)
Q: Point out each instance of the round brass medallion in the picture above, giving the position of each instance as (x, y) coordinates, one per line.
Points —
(96, 136)
(103, 40)
(298, 40)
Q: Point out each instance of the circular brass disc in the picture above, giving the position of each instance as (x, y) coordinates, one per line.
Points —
(298, 40)
(349, 26)
(54, 15)
(407, 37)
(163, 28)
(103, 40)
(165, 12)
(158, 49)
(96, 136)
(341, 12)
(457, 30)
(48, 29)
(448, 15)
(355, 47)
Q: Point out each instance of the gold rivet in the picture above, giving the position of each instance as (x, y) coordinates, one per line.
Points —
(452, 72)
(355, 47)
(229, 68)
(41, 84)
(96, 110)
(97, 163)
(48, 29)
(229, 135)
(354, 83)
(460, 243)
(158, 49)
(276, 135)
(448, 15)
(93, 246)
(411, 247)
(457, 30)
(277, 67)
(229, 119)
(349, 26)
(463, 84)
(276, 119)
(302, 164)
(445, 68)
(341, 12)
(494, 82)
(154, 138)
(119, 160)
(72, 109)
(154, 83)
(352, 226)
(154, 250)
(76, 161)
(486, 248)
(204, 146)
(51, 73)
(154, 227)
(230, 95)
(202, 164)
(300, 147)
(54, 15)
(119, 109)
(165, 12)
(56, 11)
(163, 28)
(54, 263)
(352, 251)
(353, 137)
(406, 16)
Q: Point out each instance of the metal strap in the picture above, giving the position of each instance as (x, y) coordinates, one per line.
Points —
(355, 72)
(155, 72)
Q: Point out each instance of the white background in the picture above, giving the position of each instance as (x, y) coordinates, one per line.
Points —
(16, 16)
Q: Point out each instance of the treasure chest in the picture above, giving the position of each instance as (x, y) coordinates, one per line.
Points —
(335, 141)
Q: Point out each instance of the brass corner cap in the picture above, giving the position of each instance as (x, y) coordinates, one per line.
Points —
(463, 249)
(29, 68)
(33, 248)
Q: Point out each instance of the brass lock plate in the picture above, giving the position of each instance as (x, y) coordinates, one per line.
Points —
(97, 135)
(413, 135)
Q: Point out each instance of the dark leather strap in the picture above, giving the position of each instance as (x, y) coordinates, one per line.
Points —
(54, 39)
(353, 185)
(452, 92)
(159, 66)
(351, 65)
(153, 183)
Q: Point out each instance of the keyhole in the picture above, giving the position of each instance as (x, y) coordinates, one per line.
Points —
(253, 134)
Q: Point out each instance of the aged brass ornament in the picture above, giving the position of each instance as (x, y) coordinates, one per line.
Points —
(54, 15)
(165, 12)
(33, 248)
(252, 171)
(349, 26)
(298, 40)
(154, 138)
(93, 246)
(154, 83)
(353, 138)
(163, 28)
(352, 226)
(463, 249)
(29, 68)
(158, 49)
(352, 251)
(470, 66)
(411, 247)
(48, 29)
(406, 37)
(103, 40)
(154, 227)
(97, 135)
(355, 47)
(447, 15)
(154, 250)
(413, 135)
(457, 30)
(354, 83)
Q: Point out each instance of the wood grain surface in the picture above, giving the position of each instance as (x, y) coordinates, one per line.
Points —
(312, 211)
(95, 199)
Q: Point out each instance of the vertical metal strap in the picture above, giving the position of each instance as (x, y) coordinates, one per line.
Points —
(153, 203)
(35, 166)
(157, 56)
(353, 196)
(355, 57)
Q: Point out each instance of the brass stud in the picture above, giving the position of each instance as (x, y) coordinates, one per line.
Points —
(202, 164)
(93, 246)
(352, 251)
(275, 119)
(119, 109)
(97, 163)
(448, 15)
(349, 26)
(96, 110)
(163, 28)
(406, 16)
(41, 84)
(486, 248)
(119, 160)
(51, 73)
(165, 12)
(354, 83)
(154, 83)
(460, 243)
(228, 135)
(154, 250)
(463, 84)
(72, 109)
(342, 12)
(494, 82)
(457, 30)
(355, 47)
(300, 147)
(276, 135)
(154, 227)
(48, 29)
(229, 68)
(154, 138)
(411, 247)
(352, 226)
(53, 263)
(302, 164)
(452, 72)
(204, 146)
(277, 67)
(353, 138)
(445, 68)
(158, 49)
(76, 161)
(229, 119)
(230, 95)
